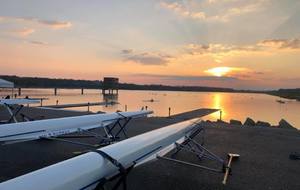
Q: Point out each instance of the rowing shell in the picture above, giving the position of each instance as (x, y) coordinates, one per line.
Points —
(18, 101)
(54, 127)
(85, 171)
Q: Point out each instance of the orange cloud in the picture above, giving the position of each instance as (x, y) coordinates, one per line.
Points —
(280, 43)
(54, 24)
(182, 11)
(223, 16)
(223, 71)
(23, 32)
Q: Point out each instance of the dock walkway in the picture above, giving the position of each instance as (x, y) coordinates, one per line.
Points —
(80, 105)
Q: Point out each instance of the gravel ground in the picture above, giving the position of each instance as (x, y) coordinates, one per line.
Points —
(264, 161)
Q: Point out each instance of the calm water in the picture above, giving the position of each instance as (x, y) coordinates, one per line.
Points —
(234, 105)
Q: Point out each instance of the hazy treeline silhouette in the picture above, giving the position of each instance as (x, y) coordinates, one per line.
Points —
(37, 82)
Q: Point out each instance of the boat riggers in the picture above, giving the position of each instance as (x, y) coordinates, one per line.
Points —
(93, 169)
(113, 132)
(191, 146)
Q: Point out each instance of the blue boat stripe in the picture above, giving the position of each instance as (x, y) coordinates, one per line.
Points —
(31, 132)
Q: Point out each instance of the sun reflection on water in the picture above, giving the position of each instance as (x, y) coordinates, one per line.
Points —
(218, 103)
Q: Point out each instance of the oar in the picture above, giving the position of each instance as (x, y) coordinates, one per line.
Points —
(231, 157)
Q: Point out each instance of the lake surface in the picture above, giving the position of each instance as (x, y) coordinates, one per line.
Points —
(233, 105)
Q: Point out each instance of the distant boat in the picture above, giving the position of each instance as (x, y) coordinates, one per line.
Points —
(151, 100)
(280, 101)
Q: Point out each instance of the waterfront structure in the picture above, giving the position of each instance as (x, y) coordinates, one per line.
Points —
(111, 84)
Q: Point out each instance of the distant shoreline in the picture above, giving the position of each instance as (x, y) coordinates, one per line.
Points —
(38, 82)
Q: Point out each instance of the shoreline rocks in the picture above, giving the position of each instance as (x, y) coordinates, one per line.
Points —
(251, 123)
(285, 125)
(235, 122)
(262, 124)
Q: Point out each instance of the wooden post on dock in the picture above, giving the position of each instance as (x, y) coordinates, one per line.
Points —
(55, 91)
(19, 92)
(88, 107)
(169, 111)
(56, 102)
(125, 107)
(146, 107)
(82, 91)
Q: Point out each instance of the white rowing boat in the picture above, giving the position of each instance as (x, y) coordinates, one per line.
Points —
(55, 127)
(18, 101)
(87, 170)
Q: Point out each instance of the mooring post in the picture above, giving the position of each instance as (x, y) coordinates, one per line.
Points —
(146, 107)
(41, 102)
(55, 91)
(88, 106)
(220, 115)
(169, 111)
(56, 102)
(82, 91)
(125, 107)
(19, 91)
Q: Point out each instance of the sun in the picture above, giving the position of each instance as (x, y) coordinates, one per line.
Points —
(219, 71)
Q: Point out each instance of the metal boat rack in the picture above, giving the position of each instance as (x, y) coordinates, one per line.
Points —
(13, 111)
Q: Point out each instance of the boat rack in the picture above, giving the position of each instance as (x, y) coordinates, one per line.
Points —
(13, 111)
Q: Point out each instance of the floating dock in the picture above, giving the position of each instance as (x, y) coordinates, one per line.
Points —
(80, 105)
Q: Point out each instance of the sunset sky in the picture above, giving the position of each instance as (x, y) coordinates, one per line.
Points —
(243, 44)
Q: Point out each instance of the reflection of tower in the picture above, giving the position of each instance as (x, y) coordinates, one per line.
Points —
(110, 98)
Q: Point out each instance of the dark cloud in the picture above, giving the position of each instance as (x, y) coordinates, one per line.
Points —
(38, 42)
(146, 58)
(127, 51)
(55, 24)
(189, 78)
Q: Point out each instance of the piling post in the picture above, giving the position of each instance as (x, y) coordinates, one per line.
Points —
(55, 91)
(19, 91)
(125, 107)
(169, 111)
(56, 102)
(146, 107)
(41, 102)
(82, 91)
(88, 107)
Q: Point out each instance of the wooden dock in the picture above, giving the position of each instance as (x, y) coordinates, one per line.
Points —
(81, 105)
